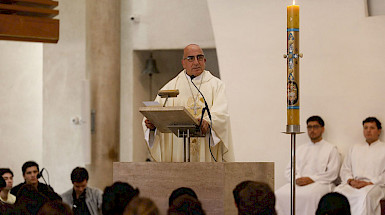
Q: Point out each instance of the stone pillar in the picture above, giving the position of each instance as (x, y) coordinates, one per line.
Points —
(103, 70)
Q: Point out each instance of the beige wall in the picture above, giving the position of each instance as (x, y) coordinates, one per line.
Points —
(21, 102)
(64, 89)
(342, 72)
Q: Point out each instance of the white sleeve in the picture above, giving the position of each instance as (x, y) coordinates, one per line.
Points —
(214, 138)
(149, 136)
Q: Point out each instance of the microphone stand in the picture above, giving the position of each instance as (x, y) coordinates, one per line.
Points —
(203, 112)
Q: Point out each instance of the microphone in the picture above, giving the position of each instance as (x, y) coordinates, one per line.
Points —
(203, 113)
(206, 105)
(40, 174)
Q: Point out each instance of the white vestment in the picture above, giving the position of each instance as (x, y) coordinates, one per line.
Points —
(367, 163)
(168, 147)
(319, 161)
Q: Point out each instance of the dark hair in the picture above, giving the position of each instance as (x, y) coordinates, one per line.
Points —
(333, 204)
(29, 198)
(79, 174)
(253, 197)
(181, 191)
(2, 182)
(317, 119)
(117, 197)
(55, 208)
(186, 205)
(29, 164)
(142, 206)
(372, 119)
(5, 170)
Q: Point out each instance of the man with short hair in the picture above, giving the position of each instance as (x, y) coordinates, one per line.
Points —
(5, 194)
(168, 147)
(317, 167)
(83, 199)
(363, 171)
(30, 171)
(253, 197)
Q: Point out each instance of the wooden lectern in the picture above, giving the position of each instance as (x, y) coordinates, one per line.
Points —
(212, 182)
(175, 120)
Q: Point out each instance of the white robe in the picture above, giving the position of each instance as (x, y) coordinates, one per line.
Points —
(321, 162)
(364, 162)
(168, 147)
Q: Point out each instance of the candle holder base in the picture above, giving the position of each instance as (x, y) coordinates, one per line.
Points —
(293, 129)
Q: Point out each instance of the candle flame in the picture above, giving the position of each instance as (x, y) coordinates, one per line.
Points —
(293, 2)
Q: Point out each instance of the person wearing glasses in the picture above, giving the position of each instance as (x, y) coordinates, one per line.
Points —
(317, 167)
(363, 171)
(168, 147)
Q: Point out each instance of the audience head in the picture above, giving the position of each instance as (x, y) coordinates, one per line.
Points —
(30, 198)
(30, 172)
(181, 191)
(333, 204)
(186, 205)
(141, 206)
(116, 197)
(55, 208)
(7, 175)
(254, 198)
(79, 178)
(3, 184)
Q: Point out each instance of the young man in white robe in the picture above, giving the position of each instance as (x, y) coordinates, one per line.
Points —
(317, 167)
(363, 172)
(168, 147)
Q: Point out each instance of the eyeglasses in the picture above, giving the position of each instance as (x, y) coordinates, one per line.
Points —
(199, 57)
(313, 127)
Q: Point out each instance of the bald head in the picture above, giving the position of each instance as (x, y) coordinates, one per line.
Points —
(193, 60)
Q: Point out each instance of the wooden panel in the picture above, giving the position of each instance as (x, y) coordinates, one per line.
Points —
(33, 3)
(27, 11)
(213, 182)
(21, 28)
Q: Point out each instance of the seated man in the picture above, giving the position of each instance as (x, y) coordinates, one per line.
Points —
(30, 171)
(317, 167)
(83, 199)
(253, 197)
(5, 194)
(363, 171)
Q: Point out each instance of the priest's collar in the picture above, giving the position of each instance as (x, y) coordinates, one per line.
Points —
(197, 78)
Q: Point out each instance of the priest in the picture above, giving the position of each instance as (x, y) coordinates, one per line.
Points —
(168, 147)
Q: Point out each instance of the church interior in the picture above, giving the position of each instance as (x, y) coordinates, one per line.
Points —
(76, 102)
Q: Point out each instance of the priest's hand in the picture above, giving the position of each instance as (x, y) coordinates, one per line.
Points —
(204, 127)
(358, 184)
(303, 181)
(149, 124)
